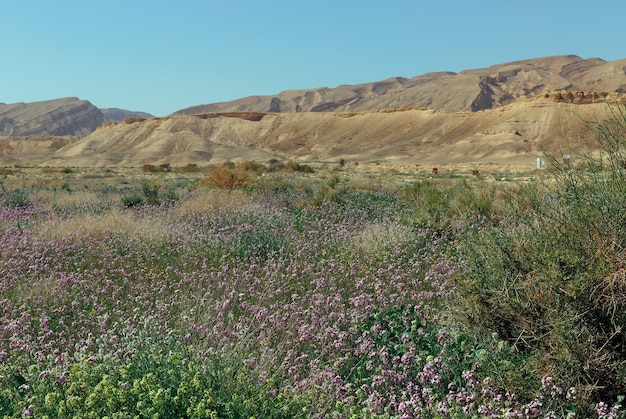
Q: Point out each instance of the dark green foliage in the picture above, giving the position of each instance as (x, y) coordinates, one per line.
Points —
(132, 199)
(151, 193)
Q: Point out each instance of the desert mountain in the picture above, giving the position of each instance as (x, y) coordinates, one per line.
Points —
(470, 90)
(506, 114)
(58, 117)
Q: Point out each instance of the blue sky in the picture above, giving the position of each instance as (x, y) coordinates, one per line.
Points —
(159, 56)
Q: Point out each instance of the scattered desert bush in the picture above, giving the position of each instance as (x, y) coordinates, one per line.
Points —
(252, 166)
(16, 198)
(151, 194)
(289, 166)
(190, 168)
(132, 199)
(247, 173)
(442, 203)
(151, 168)
(225, 177)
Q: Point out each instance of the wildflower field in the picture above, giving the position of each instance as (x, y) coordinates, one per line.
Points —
(228, 294)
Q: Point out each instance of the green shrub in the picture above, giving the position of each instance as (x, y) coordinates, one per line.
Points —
(161, 378)
(150, 193)
(550, 280)
(132, 199)
(442, 203)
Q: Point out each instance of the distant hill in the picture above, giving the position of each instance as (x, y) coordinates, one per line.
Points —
(470, 90)
(118, 115)
(58, 117)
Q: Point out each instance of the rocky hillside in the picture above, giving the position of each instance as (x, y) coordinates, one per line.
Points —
(471, 90)
(58, 117)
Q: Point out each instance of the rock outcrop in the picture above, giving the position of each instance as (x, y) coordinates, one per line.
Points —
(585, 98)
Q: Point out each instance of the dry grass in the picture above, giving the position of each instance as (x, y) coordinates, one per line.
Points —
(379, 237)
(212, 199)
(62, 200)
(365, 183)
(84, 227)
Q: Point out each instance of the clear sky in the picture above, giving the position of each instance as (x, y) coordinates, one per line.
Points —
(159, 56)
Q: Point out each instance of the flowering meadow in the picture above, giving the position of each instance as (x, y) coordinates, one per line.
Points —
(437, 298)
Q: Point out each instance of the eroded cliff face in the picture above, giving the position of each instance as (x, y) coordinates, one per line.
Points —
(58, 117)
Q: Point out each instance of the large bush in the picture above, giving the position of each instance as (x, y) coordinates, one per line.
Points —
(550, 277)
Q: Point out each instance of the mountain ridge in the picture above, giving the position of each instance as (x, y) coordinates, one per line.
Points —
(473, 90)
